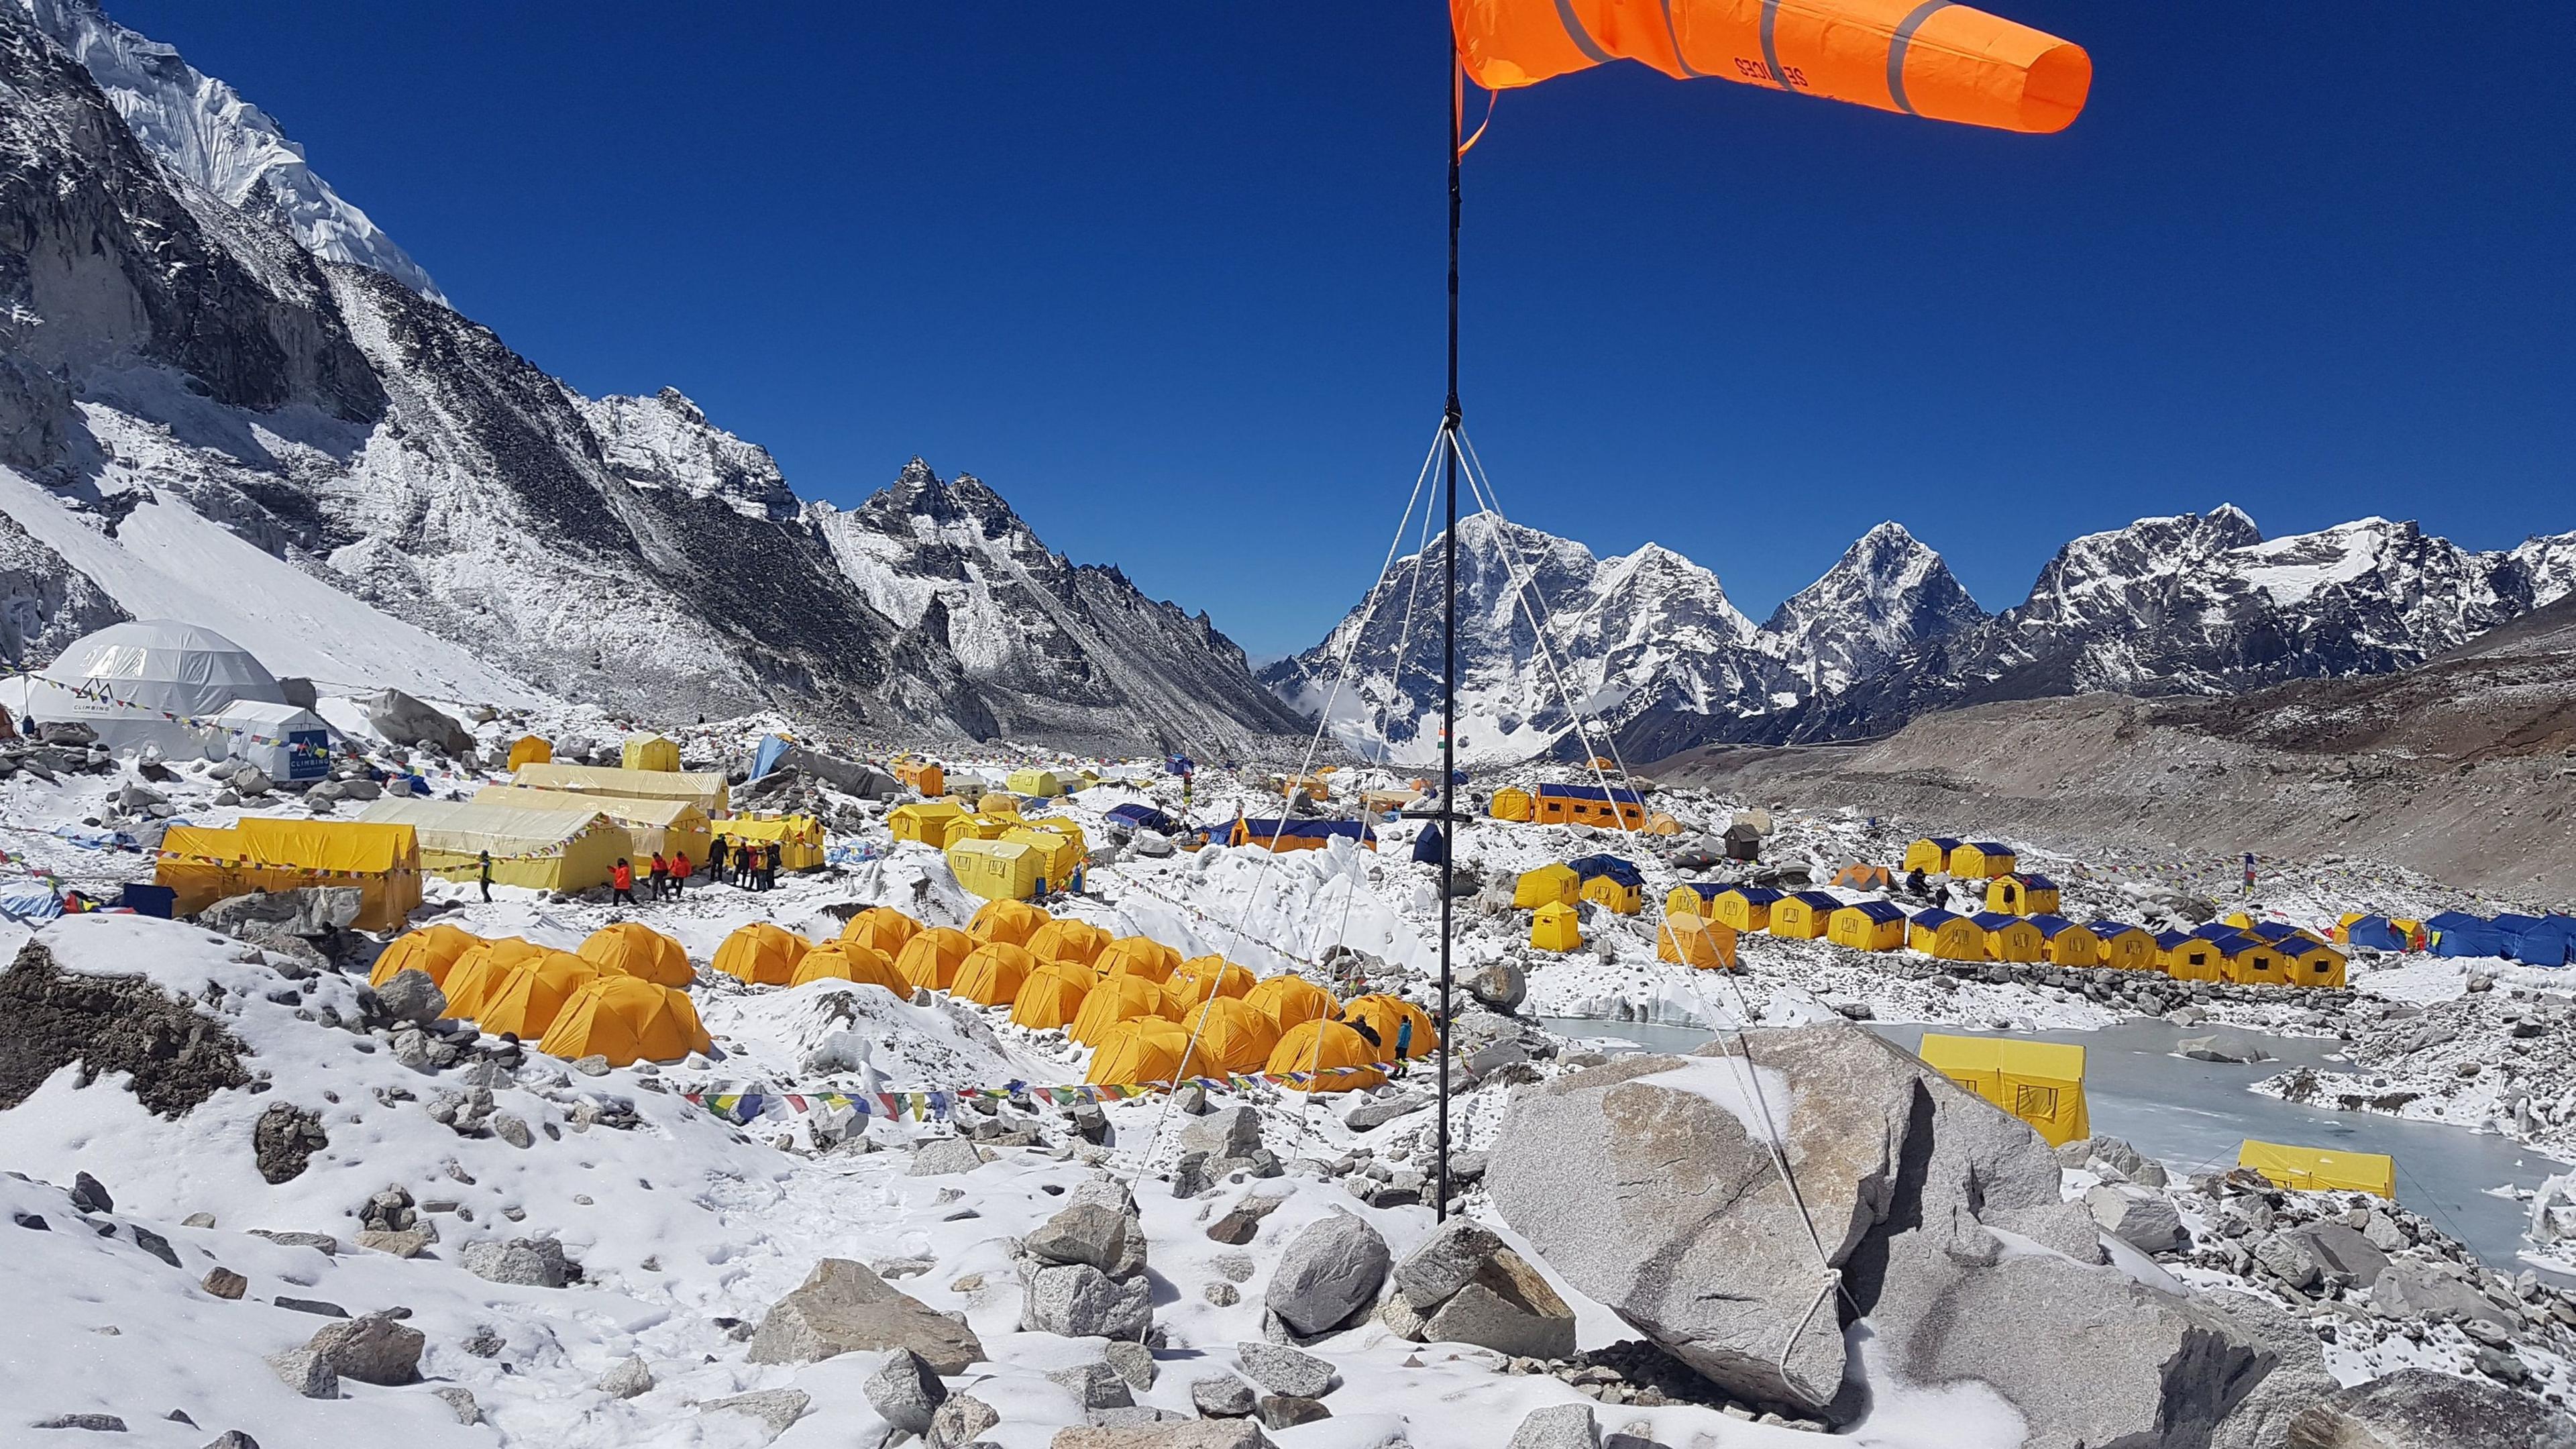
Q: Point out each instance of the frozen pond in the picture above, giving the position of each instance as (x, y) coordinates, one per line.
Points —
(2192, 1114)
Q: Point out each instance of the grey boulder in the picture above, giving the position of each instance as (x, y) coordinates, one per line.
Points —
(1099, 1227)
(527, 1262)
(2421, 1409)
(1094, 1386)
(1329, 1275)
(842, 1307)
(776, 1408)
(944, 1155)
(1077, 1300)
(2148, 1222)
(1285, 1370)
(2411, 1290)
(1188, 1434)
(1558, 1426)
(906, 1392)
(411, 996)
(371, 1350)
(626, 1378)
(408, 721)
(1222, 1396)
(1232, 1132)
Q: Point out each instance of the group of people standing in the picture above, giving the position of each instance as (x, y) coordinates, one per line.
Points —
(746, 864)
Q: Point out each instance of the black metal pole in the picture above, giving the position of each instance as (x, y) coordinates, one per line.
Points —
(1450, 820)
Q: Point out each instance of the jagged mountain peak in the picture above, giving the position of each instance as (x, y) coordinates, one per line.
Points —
(1888, 593)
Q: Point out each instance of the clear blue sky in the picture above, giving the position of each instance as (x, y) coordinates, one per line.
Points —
(1168, 275)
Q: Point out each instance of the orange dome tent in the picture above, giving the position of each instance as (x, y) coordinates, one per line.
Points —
(1289, 999)
(1140, 956)
(1202, 977)
(1009, 922)
(1386, 1015)
(479, 968)
(434, 950)
(1232, 1037)
(931, 958)
(1115, 999)
(849, 961)
(1944, 62)
(1079, 942)
(626, 1019)
(883, 928)
(524, 1002)
(1052, 996)
(1140, 1051)
(631, 948)
(762, 953)
(993, 975)
(1322, 1046)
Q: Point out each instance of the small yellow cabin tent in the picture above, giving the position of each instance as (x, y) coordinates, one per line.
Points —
(762, 953)
(432, 950)
(531, 750)
(566, 848)
(1036, 784)
(705, 790)
(1804, 915)
(1981, 859)
(929, 961)
(922, 777)
(631, 948)
(2313, 963)
(1945, 937)
(2042, 1083)
(1867, 926)
(1745, 907)
(2125, 947)
(672, 827)
(627, 1020)
(1930, 855)
(924, 821)
(799, 838)
(1009, 921)
(1610, 883)
(383, 859)
(1696, 941)
(2187, 957)
(2314, 1169)
(1547, 885)
(1057, 854)
(2019, 893)
(981, 825)
(997, 870)
(2066, 943)
(2252, 961)
(2011, 938)
(1556, 927)
(650, 752)
(1510, 804)
(1691, 898)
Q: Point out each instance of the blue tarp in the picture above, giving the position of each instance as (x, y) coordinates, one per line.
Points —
(2376, 933)
(1877, 910)
(1586, 867)
(1585, 792)
(28, 899)
(1144, 817)
(2538, 941)
(1933, 917)
(2050, 926)
(765, 757)
(1753, 895)
(2457, 933)
(1180, 765)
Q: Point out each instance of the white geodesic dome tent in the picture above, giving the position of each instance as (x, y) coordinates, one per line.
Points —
(145, 682)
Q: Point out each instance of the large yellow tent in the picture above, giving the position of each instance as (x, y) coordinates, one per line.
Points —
(1511, 804)
(704, 789)
(1387, 1016)
(673, 827)
(1232, 1037)
(1547, 885)
(762, 953)
(1142, 1051)
(481, 967)
(433, 950)
(1696, 941)
(531, 750)
(1288, 999)
(849, 961)
(649, 752)
(627, 1020)
(993, 974)
(1057, 853)
(1115, 999)
(931, 958)
(926, 821)
(1010, 922)
(2042, 1083)
(631, 948)
(1052, 996)
(524, 1001)
(554, 848)
(1342, 1058)
(1142, 957)
(1077, 942)
(882, 927)
(799, 838)
(1556, 927)
(383, 861)
(1037, 784)
(2315, 1169)
(997, 870)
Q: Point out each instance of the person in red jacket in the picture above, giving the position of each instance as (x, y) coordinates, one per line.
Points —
(679, 871)
(621, 877)
(660, 879)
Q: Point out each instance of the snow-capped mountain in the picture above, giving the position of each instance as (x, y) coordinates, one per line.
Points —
(1649, 649)
(204, 131)
(208, 410)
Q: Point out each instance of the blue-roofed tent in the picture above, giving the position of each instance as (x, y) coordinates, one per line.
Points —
(1876, 910)
(1757, 895)
(1430, 847)
(2278, 931)
(1709, 890)
(1819, 899)
(2215, 931)
(2050, 926)
(1590, 792)
(2543, 941)
(1589, 866)
(2375, 933)
(1932, 916)
(2457, 933)
(2167, 940)
(1143, 817)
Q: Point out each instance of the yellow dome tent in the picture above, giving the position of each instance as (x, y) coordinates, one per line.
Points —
(1000, 805)
(531, 750)
(1010, 922)
(1232, 1037)
(433, 950)
(2314, 1169)
(1202, 977)
(1076, 942)
(762, 953)
(883, 928)
(1322, 1047)
(481, 967)
(2042, 1083)
(1547, 885)
(849, 961)
(1142, 1051)
(1696, 941)
(631, 948)
(993, 975)
(1115, 999)
(649, 752)
(1556, 927)
(1138, 956)
(926, 822)
(931, 958)
(627, 1020)
(524, 1001)
(1052, 996)
(1289, 999)
(1387, 1015)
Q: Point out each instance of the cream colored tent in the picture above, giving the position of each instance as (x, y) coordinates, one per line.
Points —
(706, 791)
(665, 825)
(566, 849)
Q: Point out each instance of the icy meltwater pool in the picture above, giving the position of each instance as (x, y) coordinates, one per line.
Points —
(2192, 1114)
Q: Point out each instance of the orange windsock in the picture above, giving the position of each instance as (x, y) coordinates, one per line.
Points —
(1921, 57)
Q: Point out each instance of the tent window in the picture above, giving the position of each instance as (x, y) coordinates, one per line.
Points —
(2031, 1102)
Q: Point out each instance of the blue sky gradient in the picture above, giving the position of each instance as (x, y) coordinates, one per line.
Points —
(1169, 276)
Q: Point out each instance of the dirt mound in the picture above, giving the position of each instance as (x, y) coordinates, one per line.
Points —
(108, 1024)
